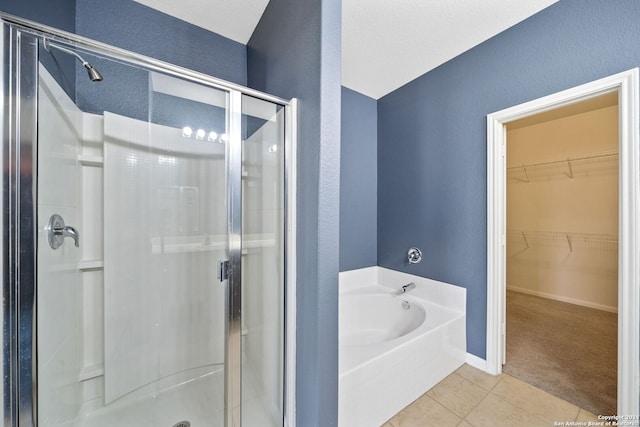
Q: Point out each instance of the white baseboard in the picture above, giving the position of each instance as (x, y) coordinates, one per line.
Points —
(476, 362)
(555, 297)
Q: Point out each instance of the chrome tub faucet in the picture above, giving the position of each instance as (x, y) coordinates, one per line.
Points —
(408, 287)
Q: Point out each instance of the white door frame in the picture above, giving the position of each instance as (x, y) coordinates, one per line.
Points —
(626, 84)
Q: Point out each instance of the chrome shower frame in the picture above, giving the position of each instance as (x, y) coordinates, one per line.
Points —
(19, 41)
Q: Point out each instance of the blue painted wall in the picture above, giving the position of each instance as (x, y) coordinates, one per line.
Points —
(295, 52)
(132, 26)
(358, 181)
(432, 133)
(55, 13)
(138, 28)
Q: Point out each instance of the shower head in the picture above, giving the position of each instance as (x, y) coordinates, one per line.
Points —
(94, 74)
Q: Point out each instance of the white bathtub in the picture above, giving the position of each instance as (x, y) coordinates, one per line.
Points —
(393, 348)
(376, 318)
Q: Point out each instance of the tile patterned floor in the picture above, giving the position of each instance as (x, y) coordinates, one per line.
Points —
(472, 398)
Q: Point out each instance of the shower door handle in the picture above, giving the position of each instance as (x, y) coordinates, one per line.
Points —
(57, 231)
(223, 269)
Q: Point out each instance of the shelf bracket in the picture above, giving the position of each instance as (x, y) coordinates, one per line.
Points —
(569, 242)
(570, 169)
(525, 173)
(524, 237)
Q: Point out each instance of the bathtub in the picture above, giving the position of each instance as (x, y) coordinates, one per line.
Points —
(394, 347)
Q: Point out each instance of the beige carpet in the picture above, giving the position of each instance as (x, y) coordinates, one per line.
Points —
(565, 349)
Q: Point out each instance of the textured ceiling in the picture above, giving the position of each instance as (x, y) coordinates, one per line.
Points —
(385, 43)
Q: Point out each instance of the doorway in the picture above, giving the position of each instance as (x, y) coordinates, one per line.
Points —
(626, 86)
(562, 252)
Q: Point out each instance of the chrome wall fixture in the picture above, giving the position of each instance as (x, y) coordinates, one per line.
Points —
(57, 231)
(408, 287)
(94, 74)
(414, 255)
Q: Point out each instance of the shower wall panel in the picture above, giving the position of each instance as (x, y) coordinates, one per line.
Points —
(71, 362)
(90, 160)
(164, 312)
(60, 297)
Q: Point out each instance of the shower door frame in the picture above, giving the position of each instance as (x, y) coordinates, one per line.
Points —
(19, 80)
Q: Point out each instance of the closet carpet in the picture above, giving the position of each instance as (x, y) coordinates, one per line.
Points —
(564, 349)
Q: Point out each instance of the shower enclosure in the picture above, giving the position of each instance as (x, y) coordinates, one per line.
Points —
(145, 239)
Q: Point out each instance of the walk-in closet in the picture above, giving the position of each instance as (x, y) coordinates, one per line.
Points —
(562, 252)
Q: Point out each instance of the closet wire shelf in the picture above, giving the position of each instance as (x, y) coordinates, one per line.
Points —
(572, 240)
(566, 166)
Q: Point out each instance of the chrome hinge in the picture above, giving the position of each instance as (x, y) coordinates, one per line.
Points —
(223, 269)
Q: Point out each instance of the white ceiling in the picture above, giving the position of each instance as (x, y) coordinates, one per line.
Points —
(234, 19)
(385, 43)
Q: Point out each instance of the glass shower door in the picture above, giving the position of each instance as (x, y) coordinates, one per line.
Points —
(263, 266)
(132, 219)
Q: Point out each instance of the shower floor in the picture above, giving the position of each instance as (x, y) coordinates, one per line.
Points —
(199, 401)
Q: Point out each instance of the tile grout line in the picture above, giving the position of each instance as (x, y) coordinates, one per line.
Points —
(474, 408)
(546, 392)
(488, 391)
(390, 420)
(462, 418)
(520, 408)
(491, 388)
(481, 400)
(448, 410)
